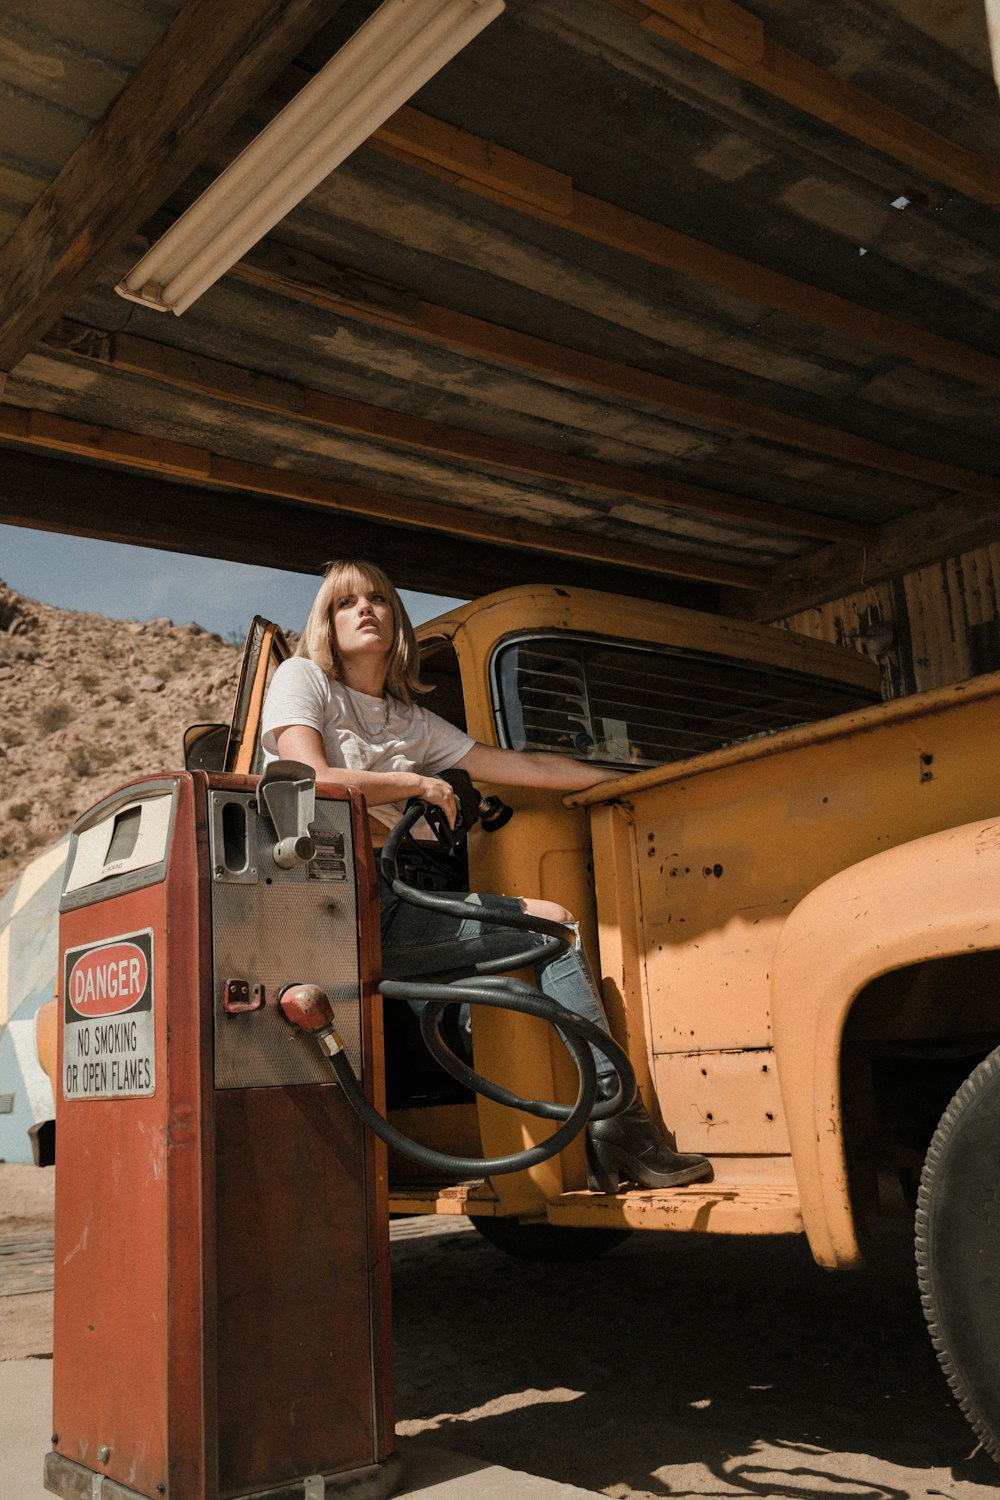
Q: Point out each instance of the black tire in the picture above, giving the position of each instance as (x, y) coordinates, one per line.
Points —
(958, 1247)
(548, 1242)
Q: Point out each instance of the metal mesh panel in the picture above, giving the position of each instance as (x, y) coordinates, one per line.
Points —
(285, 927)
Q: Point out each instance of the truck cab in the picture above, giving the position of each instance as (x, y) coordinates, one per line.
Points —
(648, 690)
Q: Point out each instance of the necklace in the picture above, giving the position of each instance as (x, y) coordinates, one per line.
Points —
(364, 729)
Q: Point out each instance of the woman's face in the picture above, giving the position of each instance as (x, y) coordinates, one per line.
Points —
(363, 623)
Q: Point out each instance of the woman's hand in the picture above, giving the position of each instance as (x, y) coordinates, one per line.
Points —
(440, 794)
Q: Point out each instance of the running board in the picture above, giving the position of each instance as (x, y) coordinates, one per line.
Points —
(707, 1208)
(431, 1198)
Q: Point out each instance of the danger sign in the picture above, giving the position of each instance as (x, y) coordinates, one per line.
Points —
(108, 1042)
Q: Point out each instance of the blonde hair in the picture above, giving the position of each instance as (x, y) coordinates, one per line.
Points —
(318, 641)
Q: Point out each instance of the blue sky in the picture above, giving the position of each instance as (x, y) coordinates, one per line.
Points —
(141, 583)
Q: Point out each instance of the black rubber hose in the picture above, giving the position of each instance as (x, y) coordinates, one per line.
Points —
(472, 1166)
(474, 992)
(481, 985)
(559, 936)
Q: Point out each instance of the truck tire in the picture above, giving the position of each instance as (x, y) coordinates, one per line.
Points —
(548, 1242)
(958, 1247)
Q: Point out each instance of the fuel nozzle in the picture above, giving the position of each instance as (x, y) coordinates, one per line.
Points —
(472, 808)
(308, 1007)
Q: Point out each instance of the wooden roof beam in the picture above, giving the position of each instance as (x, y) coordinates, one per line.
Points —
(121, 505)
(217, 58)
(912, 541)
(734, 39)
(165, 458)
(403, 136)
(218, 381)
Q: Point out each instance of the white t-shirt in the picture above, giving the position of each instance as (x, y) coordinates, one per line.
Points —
(358, 733)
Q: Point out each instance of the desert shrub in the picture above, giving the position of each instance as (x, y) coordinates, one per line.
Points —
(53, 716)
(88, 681)
(19, 810)
(79, 761)
(123, 693)
(87, 760)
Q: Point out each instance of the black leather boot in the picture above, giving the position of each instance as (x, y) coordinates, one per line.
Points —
(628, 1146)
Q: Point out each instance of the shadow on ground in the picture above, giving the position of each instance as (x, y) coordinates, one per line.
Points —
(683, 1365)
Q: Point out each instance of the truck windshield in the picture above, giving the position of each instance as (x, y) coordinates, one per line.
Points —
(622, 704)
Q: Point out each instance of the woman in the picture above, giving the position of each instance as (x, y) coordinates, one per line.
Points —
(344, 705)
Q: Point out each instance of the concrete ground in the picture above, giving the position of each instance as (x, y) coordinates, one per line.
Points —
(26, 1271)
(675, 1366)
(430, 1471)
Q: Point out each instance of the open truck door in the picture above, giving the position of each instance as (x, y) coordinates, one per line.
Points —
(235, 746)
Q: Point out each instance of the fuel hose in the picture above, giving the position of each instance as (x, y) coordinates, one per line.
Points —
(488, 983)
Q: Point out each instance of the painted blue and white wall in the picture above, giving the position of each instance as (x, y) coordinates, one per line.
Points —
(29, 955)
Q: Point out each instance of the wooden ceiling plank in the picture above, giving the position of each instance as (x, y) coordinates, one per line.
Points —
(478, 160)
(697, 260)
(282, 269)
(216, 59)
(54, 434)
(733, 38)
(218, 381)
(224, 382)
(443, 327)
(913, 541)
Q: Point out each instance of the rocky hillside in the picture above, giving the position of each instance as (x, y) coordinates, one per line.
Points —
(87, 703)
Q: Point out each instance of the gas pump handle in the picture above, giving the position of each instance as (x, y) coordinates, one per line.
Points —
(308, 1007)
(473, 808)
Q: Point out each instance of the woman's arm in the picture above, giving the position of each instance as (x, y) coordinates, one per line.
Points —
(300, 742)
(560, 773)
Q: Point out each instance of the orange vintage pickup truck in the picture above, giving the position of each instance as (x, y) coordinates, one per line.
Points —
(790, 894)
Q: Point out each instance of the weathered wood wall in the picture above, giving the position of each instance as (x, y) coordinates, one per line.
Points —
(933, 626)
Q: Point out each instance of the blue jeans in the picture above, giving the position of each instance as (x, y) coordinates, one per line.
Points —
(417, 942)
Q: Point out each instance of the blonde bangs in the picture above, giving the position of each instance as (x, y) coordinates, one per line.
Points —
(347, 576)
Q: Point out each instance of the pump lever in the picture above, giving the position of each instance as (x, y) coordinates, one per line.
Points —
(288, 790)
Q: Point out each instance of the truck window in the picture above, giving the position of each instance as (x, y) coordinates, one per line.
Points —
(439, 670)
(623, 704)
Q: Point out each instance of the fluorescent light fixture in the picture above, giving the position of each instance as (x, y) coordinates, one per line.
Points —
(386, 61)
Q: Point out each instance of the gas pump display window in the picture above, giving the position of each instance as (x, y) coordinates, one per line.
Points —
(120, 842)
(620, 704)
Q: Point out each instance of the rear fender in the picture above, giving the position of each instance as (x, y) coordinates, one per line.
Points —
(928, 899)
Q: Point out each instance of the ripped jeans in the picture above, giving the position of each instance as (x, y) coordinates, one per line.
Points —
(417, 942)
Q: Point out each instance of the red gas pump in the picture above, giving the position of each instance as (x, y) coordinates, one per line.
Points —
(222, 1316)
